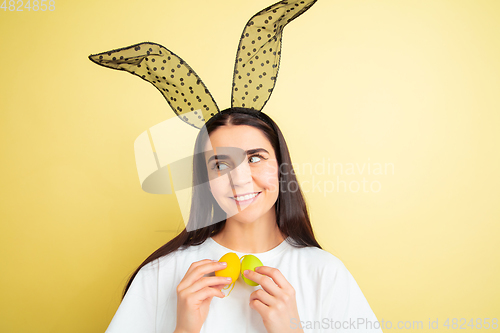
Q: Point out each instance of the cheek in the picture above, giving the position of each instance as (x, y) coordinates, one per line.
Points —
(221, 191)
(220, 187)
(268, 178)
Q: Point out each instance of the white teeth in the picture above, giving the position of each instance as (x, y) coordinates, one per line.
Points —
(246, 197)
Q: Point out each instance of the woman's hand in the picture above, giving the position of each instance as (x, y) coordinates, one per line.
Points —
(194, 294)
(275, 302)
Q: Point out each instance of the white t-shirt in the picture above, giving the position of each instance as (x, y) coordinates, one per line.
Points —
(328, 298)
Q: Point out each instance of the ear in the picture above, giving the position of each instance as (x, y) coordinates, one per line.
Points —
(183, 89)
(259, 51)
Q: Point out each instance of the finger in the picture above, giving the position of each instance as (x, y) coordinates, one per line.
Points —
(267, 284)
(190, 269)
(277, 277)
(196, 264)
(199, 263)
(219, 286)
(183, 284)
(208, 293)
(264, 297)
(197, 270)
(258, 306)
(207, 282)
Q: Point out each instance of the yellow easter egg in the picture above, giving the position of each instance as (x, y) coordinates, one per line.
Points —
(249, 262)
(233, 266)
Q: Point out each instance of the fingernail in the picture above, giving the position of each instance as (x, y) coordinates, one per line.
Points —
(223, 263)
(256, 268)
(228, 278)
(246, 271)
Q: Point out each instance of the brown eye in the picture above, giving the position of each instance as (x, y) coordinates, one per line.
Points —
(220, 166)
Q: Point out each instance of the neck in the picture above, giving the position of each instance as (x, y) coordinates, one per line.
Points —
(258, 236)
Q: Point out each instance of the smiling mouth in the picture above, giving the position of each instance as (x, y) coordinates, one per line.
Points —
(245, 198)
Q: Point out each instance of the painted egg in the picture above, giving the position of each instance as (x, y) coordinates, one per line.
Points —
(233, 266)
(249, 262)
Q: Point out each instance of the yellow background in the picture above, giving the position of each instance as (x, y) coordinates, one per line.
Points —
(412, 83)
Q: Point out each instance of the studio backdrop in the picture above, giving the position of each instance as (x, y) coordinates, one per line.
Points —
(390, 109)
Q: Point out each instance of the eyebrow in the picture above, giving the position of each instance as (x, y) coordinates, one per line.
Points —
(248, 152)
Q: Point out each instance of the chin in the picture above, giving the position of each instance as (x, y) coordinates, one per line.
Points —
(249, 215)
(242, 216)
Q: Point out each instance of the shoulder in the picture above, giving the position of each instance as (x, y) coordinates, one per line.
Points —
(330, 276)
(318, 258)
(314, 265)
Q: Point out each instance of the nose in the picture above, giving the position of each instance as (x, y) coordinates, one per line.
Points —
(241, 175)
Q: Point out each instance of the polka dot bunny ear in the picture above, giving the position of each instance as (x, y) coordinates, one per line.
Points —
(183, 89)
(255, 71)
(259, 51)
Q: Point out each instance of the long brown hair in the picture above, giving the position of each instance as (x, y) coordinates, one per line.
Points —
(292, 216)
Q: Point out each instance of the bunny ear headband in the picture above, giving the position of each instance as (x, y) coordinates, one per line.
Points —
(255, 73)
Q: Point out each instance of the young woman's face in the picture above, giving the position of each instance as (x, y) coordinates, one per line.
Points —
(243, 172)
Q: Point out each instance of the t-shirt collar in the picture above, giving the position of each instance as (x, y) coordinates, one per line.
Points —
(263, 256)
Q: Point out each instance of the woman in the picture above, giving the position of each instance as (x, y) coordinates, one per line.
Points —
(302, 287)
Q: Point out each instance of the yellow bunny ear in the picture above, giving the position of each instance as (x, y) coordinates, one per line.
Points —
(259, 50)
(183, 89)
